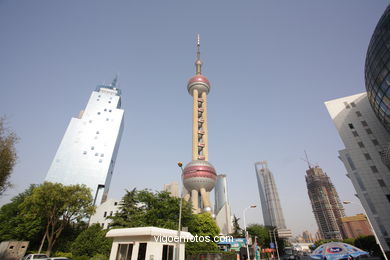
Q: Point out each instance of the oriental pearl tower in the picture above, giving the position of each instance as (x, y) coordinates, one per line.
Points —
(199, 176)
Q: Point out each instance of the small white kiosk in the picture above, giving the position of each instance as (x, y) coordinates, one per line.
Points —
(147, 243)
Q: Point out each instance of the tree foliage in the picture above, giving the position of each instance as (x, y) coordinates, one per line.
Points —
(59, 206)
(202, 225)
(8, 155)
(261, 233)
(145, 208)
(237, 231)
(17, 226)
(91, 242)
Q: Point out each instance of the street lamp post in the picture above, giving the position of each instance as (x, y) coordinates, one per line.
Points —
(372, 228)
(276, 242)
(180, 164)
(246, 235)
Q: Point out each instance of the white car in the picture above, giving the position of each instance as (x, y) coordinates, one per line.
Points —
(35, 256)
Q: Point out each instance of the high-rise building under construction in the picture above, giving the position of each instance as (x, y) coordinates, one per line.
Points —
(325, 202)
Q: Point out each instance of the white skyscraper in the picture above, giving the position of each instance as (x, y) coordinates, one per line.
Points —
(88, 150)
(364, 137)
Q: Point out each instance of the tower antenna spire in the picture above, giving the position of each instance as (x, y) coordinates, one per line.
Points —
(198, 62)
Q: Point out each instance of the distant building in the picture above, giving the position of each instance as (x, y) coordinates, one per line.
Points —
(364, 138)
(172, 188)
(269, 197)
(88, 150)
(307, 237)
(222, 210)
(356, 226)
(107, 209)
(325, 202)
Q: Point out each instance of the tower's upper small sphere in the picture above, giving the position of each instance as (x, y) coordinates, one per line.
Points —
(200, 83)
(199, 174)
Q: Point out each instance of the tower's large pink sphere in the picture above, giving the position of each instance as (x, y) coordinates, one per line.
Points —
(200, 83)
(199, 174)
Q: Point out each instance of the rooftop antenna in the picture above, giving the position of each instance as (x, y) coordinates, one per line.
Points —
(115, 80)
(198, 62)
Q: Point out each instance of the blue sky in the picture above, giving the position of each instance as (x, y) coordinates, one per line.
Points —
(272, 64)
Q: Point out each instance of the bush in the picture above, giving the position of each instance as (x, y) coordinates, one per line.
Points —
(99, 257)
(64, 254)
(83, 257)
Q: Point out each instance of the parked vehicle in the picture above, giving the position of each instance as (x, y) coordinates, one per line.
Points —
(57, 258)
(35, 256)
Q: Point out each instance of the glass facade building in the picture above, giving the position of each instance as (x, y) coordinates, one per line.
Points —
(88, 150)
(377, 70)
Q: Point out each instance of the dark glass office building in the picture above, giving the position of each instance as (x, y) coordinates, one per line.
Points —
(377, 70)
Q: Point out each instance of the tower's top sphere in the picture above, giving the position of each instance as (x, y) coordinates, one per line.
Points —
(199, 174)
(200, 83)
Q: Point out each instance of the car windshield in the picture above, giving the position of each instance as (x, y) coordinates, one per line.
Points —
(40, 256)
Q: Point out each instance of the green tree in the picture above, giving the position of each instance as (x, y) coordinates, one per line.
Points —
(59, 206)
(261, 233)
(202, 225)
(91, 242)
(17, 226)
(145, 208)
(368, 243)
(237, 231)
(8, 155)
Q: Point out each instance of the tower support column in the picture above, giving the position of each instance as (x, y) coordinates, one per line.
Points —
(195, 123)
(205, 127)
(195, 201)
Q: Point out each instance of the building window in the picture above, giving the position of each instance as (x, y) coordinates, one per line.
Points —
(373, 168)
(97, 132)
(102, 155)
(110, 213)
(346, 105)
(105, 214)
(351, 126)
(85, 152)
(142, 251)
(102, 225)
(361, 145)
(92, 147)
(367, 156)
(106, 119)
(98, 113)
(100, 160)
(355, 133)
(90, 121)
(96, 154)
(388, 197)
(368, 130)
(364, 123)
(125, 252)
(109, 101)
(353, 104)
(115, 203)
(381, 183)
(105, 109)
(375, 142)
(97, 99)
(358, 113)
(167, 253)
(110, 110)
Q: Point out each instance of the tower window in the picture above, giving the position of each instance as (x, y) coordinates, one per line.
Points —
(361, 145)
(96, 154)
(109, 101)
(369, 131)
(102, 155)
(381, 183)
(100, 160)
(92, 147)
(388, 197)
(375, 142)
(90, 121)
(98, 113)
(346, 105)
(353, 104)
(355, 133)
(367, 156)
(364, 123)
(115, 203)
(85, 152)
(106, 119)
(109, 110)
(97, 132)
(97, 99)
(374, 169)
(358, 113)
(105, 214)
(351, 126)
(105, 109)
